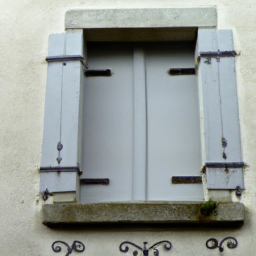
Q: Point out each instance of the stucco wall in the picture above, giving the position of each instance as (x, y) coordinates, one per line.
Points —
(25, 27)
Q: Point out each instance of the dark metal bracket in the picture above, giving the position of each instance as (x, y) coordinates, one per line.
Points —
(60, 169)
(167, 246)
(218, 54)
(77, 246)
(230, 244)
(66, 58)
(225, 165)
(186, 179)
(97, 72)
(94, 182)
(182, 71)
(63, 58)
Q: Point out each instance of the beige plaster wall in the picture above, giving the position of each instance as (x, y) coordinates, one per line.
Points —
(24, 29)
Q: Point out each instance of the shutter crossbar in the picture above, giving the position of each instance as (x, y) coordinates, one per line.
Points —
(60, 169)
(66, 58)
(224, 165)
(219, 54)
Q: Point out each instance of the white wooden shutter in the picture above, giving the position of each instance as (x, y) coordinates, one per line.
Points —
(63, 113)
(224, 166)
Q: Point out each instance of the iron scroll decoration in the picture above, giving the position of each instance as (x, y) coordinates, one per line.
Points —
(231, 244)
(145, 251)
(77, 246)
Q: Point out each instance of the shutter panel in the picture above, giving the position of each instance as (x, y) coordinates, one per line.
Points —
(224, 165)
(63, 113)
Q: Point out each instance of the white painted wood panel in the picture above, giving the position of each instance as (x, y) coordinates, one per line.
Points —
(53, 102)
(62, 113)
(56, 44)
(108, 124)
(70, 112)
(221, 113)
(75, 43)
(58, 181)
(212, 110)
(139, 125)
(224, 39)
(221, 178)
(229, 106)
(52, 115)
(209, 72)
(173, 124)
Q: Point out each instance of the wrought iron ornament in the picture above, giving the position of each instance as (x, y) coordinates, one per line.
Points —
(230, 244)
(77, 246)
(145, 251)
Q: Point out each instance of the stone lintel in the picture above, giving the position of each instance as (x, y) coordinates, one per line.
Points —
(141, 18)
(148, 212)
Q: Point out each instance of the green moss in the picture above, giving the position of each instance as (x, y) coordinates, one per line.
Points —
(206, 210)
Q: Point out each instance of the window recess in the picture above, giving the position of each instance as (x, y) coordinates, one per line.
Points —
(141, 124)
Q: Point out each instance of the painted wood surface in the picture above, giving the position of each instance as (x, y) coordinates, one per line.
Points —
(52, 114)
(220, 107)
(63, 107)
(140, 128)
(139, 175)
(108, 124)
(221, 178)
(58, 181)
(173, 123)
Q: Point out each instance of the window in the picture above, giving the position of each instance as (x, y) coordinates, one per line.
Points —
(62, 154)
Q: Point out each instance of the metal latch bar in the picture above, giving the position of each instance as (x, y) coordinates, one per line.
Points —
(181, 71)
(94, 182)
(186, 179)
(97, 72)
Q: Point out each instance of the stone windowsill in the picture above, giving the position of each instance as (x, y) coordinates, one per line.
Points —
(140, 212)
